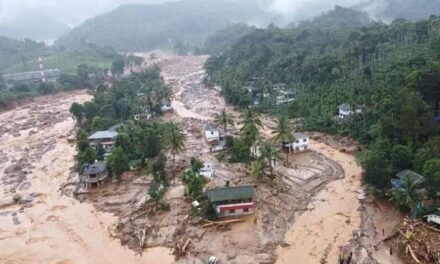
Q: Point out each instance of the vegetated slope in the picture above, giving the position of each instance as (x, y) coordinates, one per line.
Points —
(338, 18)
(389, 10)
(140, 27)
(22, 55)
(391, 71)
(223, 39)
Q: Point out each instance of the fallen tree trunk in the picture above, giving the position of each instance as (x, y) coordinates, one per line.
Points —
(211, 223)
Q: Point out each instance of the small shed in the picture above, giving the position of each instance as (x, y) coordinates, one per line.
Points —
(232, 201)
(346, 110)
(400, 178)
(94, 175)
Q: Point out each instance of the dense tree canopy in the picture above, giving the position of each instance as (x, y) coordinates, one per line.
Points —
(390, 72)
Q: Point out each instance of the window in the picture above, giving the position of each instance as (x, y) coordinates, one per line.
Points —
(232, 211)
(246, 210)
(297, 141)
(305, 140)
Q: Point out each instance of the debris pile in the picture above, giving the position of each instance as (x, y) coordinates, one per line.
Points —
(418, 242)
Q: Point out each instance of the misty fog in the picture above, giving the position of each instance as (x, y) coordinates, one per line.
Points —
(74, 12)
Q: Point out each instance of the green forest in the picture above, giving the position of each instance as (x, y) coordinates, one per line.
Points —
(140, 144)
(389, 71)
(147, 27)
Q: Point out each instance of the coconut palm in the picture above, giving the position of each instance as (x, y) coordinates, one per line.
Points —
(249, 131)
(258, 169)
(174, 139)
(410, 193)
(283, 133)
(223, 119)
(269, 154)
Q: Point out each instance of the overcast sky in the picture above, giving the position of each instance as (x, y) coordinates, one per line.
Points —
(76, 11)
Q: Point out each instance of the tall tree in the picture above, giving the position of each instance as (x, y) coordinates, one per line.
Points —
(223, 119)
(77, 110)
(283, 133)
(118, 162)
(174, 138)
(249, 131)
(117, 68)
(269, 154)
(410, 194)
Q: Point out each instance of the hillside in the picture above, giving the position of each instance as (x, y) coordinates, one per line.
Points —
(22, 55)
(388, 10)
(141, 27)
(223, 39)
(390, 72)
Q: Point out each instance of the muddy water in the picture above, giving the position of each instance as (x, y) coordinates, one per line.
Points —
(52, 228)
(317, 234)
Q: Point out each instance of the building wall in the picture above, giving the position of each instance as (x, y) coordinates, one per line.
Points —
(239, 209)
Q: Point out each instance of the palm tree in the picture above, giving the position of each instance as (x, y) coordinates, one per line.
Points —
(223, 119)
(269, 154)
(249, 131)
(410, 193)
(175, 139)
(258, 169)
(283, 133)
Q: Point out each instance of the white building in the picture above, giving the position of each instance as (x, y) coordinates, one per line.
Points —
(166, 107)
(207, 171)
(212, 134)
(301, 143)
(346, 110)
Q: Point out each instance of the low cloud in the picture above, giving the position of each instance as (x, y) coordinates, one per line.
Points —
(294, 10)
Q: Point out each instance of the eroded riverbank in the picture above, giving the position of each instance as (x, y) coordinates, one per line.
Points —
(47, 227)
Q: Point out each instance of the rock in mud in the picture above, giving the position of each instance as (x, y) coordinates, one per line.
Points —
(16, 198)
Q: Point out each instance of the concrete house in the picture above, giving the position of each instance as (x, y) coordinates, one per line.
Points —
(232, 201)
(212, 134)
(94, 175)
(301, 143)
(207, 171)
(104, 138)
(166, 107)
(346, 111)
(51, 75)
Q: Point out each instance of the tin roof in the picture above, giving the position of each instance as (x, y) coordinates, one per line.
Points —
(230, 193)
(406, 173)
(103, 135)
(96, 168)
(298, 135)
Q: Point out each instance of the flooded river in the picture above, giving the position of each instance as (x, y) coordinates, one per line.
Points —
(48, 227)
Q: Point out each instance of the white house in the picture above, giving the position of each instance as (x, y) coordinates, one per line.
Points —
(144, 116)
(433, 219)
(207, 171)
(166, 107)
(212, 134)
(346, 110)
(301, 143)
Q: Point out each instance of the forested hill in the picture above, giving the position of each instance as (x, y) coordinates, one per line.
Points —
(389, 10)
(143, 27)
(338, 18)
(391, 72)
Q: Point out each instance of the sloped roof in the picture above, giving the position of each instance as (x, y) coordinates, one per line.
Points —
(230, 193)
(96, 168)
(103, 135)
(299, 135)
(406, 173)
